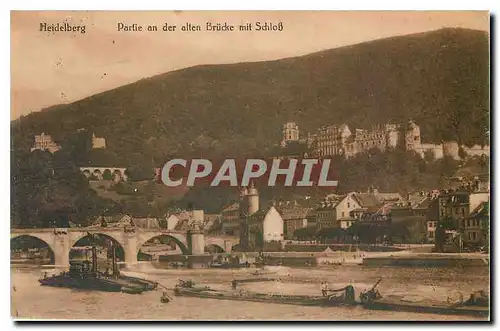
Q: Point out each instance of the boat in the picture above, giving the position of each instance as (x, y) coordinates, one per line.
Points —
(397, 303)
(477, 305)
(298, 300)
(254, 280)
(85, 275)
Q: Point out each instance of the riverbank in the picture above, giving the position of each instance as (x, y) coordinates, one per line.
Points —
(430, 260)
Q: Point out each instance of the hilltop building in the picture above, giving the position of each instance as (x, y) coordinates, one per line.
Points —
(331, 140)
(290, 133)
(44, 142)
(98, 142)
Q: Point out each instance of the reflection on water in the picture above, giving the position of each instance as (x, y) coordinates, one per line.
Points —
(30, 300)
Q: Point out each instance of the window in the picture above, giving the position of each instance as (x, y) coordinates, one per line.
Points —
(343, 214)
(431, 234)
(348, 205)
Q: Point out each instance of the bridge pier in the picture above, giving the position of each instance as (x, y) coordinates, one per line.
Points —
(61, 250)
(228, 247)
(196, 242)
(130, 248)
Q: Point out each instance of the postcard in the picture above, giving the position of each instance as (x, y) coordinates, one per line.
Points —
(250, 165)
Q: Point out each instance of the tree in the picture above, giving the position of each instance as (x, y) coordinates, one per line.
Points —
(107, 175)
(307, 233)
(48, 190)
(332, 233)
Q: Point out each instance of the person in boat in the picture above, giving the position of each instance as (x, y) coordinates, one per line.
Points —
(370, 295)
(324, 289)
(350, 293)
(478, 298)
(106, 273)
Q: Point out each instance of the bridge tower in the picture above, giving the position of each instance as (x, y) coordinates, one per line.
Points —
(195, 235)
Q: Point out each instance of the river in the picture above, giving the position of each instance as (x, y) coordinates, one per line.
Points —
(32, 301)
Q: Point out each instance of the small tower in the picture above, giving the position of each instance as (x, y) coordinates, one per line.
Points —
(290, 133)
(253, 199)
(412, 136)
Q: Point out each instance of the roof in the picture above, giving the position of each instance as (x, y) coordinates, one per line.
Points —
(483, 209)
(231, 207)
(367, 200)
(182, 225)
(388, 196)
(293, 212)
(424, 204)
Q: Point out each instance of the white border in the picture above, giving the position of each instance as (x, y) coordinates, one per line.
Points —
(184, 5)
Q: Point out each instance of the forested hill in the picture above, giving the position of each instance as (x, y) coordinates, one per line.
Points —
(440, 79)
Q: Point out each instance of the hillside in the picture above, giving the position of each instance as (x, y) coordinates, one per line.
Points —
(439, 78)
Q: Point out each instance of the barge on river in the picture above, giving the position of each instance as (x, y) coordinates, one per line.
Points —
(476, 305)
(397, 303)
(298, 300)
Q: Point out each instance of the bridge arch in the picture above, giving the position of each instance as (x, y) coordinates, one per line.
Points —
(101, 239)
(97, 173)
(38, 239)
(214, 248)
(117, 175)
(179, 240)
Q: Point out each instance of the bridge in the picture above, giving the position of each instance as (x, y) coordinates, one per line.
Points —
(116, 174)
(131, 239)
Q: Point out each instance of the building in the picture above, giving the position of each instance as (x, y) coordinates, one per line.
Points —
(408, 219)
(290, 133)
(183, 220)
(330, 140)
(336, 211)
(477, 225)
(98, 142)
(44, 142)
(294, 217)
(258, 228)
(230, 218)
(456, 211)
(172, 221)
(213, 224)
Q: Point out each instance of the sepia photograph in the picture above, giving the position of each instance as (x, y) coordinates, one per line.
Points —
(250, 166)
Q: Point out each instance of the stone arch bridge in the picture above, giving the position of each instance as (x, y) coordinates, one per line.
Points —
(117, 174)
(131, 240)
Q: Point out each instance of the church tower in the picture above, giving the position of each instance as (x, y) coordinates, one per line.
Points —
(253, 199)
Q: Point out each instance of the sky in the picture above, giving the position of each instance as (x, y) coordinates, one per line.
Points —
(49, 68)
